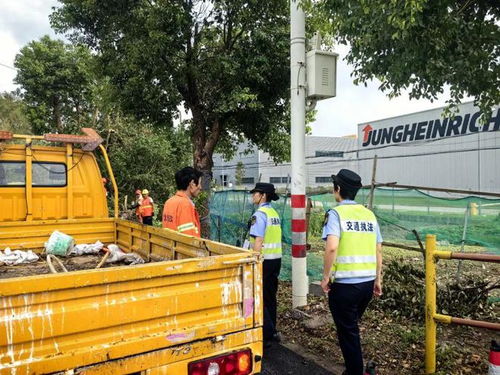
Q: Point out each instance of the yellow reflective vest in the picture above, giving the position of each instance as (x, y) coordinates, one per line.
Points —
(357, 251)
(271, 246)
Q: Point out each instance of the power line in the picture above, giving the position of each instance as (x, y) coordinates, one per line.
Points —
(427, 142)
(271, 164)
(7, 66)
(412, 144)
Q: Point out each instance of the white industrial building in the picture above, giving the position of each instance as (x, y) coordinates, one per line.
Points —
(324, 155)
(422, 149)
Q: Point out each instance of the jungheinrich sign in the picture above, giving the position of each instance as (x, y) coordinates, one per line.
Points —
(432, 128)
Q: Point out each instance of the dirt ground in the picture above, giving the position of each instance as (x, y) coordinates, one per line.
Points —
(73, 263)
(396, 344)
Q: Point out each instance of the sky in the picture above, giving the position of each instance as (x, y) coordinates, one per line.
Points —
(22, 21)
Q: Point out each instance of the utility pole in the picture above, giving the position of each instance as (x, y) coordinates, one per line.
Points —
(298, 110)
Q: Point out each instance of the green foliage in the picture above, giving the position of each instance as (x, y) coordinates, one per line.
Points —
(239, 173)
(225, 61)
(12, 114)
(404, 294)
(56, 80)
(413, 335)
(420, 45)
(316, 223)
(145, 157)
(63, 92)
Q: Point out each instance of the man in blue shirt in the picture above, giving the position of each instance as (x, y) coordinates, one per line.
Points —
(352, 270)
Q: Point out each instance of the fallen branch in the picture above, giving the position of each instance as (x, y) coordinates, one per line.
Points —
(104, 258)
(58, 261)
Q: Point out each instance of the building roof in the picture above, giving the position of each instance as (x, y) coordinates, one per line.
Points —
(314, 143)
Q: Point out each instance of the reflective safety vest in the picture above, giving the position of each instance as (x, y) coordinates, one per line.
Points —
(147, 207)
(179, 214)
(271, 246)
(357, 251)
(138, 208)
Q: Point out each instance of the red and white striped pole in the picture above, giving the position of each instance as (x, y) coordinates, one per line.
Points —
(300, 285)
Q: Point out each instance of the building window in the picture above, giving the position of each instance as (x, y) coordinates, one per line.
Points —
(320, 180)
(333, 154)
(223, 179)
(247, 180)
(45, 174)
(279, 180)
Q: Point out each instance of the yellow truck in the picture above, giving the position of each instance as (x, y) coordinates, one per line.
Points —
(194, 307)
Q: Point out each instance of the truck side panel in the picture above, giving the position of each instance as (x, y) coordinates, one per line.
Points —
(175, 360)
(31, 235)
(165, 244)
(50, 323)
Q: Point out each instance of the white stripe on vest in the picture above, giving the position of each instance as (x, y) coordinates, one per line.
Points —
(356, 259)
(360, 273)
(272, 245)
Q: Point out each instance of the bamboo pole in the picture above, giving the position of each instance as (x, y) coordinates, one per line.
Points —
(445, 190)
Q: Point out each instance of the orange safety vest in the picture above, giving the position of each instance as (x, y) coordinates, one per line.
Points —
(179, 214)
(138, 208)
(147, 207)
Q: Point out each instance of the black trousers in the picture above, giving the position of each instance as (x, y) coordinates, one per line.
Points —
(147, 220)
(347, 304)
(270, 270)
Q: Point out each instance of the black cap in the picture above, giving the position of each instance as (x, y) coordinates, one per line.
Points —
(264, 187)
(348, 179)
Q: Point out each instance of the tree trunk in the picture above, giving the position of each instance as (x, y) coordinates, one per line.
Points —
(57, 114)
(202, 160)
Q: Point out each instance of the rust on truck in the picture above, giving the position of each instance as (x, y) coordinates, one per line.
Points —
(192, 299)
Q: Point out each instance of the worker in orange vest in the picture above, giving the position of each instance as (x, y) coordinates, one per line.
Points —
(137, 205)
(147, 208)
(179, 212)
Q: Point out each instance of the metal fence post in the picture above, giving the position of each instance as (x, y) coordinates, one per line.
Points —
(430, 304)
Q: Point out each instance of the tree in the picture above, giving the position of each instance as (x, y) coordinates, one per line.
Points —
(12, 114)
(420, 45)
(239, 173)
(225, 61)
(56, 82)
(144, 157)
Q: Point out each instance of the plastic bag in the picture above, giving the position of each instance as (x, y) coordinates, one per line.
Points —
(84, 248)
(59, 244)
(116, 255)
(12, 258)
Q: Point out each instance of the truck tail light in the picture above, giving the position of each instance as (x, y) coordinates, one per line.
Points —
(239, 363)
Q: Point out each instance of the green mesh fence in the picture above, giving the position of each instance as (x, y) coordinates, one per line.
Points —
(429, 214)
(399, 211)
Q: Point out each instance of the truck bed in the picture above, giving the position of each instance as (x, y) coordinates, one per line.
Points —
(204, 295)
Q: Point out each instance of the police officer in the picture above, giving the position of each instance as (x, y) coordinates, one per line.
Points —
(265, 236)
(352, 270)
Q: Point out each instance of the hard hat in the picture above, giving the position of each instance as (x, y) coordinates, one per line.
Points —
(145, 192)
(138, 191)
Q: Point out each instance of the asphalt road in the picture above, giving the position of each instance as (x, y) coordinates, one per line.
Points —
(279, 360)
